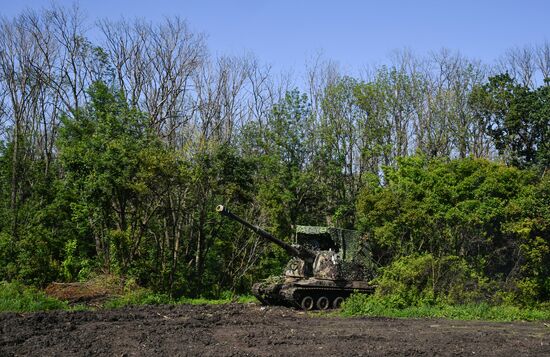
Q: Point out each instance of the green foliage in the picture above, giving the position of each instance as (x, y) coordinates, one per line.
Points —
(492, 218)
(338, 133)
(15, 297)
(518, 119)
(286, 181)
(32, 232)
(376, 306)
(140, 296)
(113, 167)
(121, 195)
(74, 265)
(91, 183)
(424, 280)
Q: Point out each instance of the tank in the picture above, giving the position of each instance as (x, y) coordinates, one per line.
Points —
(327, 264)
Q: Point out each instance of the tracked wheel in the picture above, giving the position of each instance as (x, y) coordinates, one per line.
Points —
(307, 303)
(337, 302)
(323, 303)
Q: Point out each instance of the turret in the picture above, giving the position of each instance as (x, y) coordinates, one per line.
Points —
(293, 250)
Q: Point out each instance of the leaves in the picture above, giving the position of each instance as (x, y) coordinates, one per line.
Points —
(479, 211)
(517, 118)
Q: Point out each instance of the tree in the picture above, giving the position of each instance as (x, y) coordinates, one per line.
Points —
(114, 166)
(284, 148)
(339, 159)
(492, 216)
(518, 119)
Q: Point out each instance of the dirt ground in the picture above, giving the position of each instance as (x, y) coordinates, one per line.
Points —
(252, 330)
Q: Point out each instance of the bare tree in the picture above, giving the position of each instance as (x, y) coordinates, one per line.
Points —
(543, 59)
(259, 88)
(153, 66)
(457, 77)
(173, 54)
(46, 67)
(519, 62)
(320, 73)
(72, 72)
(19, 83)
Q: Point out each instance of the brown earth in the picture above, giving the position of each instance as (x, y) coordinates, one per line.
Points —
(92, 293)
(251, 330)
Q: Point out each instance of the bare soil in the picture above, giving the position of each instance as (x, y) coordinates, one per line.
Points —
(252, 330)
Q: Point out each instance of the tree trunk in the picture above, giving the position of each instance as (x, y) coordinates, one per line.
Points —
(14, 181)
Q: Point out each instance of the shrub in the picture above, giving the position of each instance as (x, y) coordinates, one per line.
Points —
(376, 306)
(16, 297)
(464, 229)
(139, 296)
(417, 280)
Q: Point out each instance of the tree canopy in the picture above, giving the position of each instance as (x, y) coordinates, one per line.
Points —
(114, 154)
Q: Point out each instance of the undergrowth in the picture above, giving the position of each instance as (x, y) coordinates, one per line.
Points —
(376, 306)
(146, 297)
(16, 297)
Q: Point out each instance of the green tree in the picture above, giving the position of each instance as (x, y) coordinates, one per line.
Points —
(113, 166)
(518, 119)
(288, 182)
(338, 158)
(492, 216)
(33, 253)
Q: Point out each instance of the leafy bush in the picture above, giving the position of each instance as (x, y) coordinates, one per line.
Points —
(225, 297)
(139, 296)
(483, 221)
(418, 280)
(376, 306)
(75, 267)
(15, 297)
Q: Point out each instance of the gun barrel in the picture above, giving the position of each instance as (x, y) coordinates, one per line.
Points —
(293, 251)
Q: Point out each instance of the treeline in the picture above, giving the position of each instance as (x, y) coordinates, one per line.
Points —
(115, 151)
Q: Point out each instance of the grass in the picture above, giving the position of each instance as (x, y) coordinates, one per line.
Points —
(146, 297)
(15, 297)
(241, 299)
(137, 297)
(363, 305)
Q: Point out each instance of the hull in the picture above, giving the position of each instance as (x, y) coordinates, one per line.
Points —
(308, 293)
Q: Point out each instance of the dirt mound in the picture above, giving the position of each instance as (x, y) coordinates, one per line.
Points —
(93, 293)
(251, 330)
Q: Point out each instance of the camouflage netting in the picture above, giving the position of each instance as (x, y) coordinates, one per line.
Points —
(352, 247)
(315, 238)
(348, 243)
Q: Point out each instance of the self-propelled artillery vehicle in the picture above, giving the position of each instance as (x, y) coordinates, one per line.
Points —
(327, 265)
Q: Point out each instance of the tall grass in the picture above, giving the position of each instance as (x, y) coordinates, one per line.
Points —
(15, 297)
(138, 297)
(371, 305)
(143, 296)
(241, 299)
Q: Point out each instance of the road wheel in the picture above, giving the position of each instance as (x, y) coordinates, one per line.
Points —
(307, 303)
(323, 303)
(337, 302)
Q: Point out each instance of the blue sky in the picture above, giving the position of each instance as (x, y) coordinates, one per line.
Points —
(353, 33)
